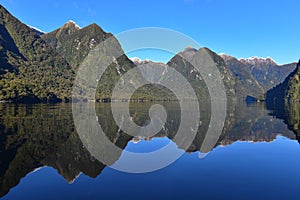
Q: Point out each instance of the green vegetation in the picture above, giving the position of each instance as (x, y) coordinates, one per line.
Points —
(293, 119)
(267, 73)
(284, 100)
(37, 135)
(44, 135)
(287, 92)
(293, 91)
(30, 71)
(255, 76)
(247, 85)
(41, 68)
(75, 44)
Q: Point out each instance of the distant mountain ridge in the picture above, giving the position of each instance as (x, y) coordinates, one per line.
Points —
(258, 75)
(249, 85)
(246, 82)
(267, 72)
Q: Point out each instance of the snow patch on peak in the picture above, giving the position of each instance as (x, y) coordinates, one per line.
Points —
(139, 61)
(258, 60)
(136, 60)
(36, 29)
(73, 23)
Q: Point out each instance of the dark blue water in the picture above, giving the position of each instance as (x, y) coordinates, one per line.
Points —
(258, 158)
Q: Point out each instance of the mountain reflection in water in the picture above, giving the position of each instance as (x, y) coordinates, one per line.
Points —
(32, 136)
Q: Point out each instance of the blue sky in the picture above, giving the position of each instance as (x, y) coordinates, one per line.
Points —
(241, 28)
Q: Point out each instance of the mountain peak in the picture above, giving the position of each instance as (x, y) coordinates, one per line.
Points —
(258, 60)
(190, 48)
(69, 28)
(22, 49)
(70, 24)
(225, 56)
(136, 60)
(139, 61)
(188, 52)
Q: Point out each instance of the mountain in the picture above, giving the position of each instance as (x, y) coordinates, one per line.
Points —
(184, 67)
(293, 91)
(267, 72)
(244, 76)
(286, 92)
(74, 43)
(195, 78)
(250, 86)
(257, 75)
(179, 63)
(36, 67)
(284, 101)
(30, 70)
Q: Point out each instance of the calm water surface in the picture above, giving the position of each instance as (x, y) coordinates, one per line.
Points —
(42, 157)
